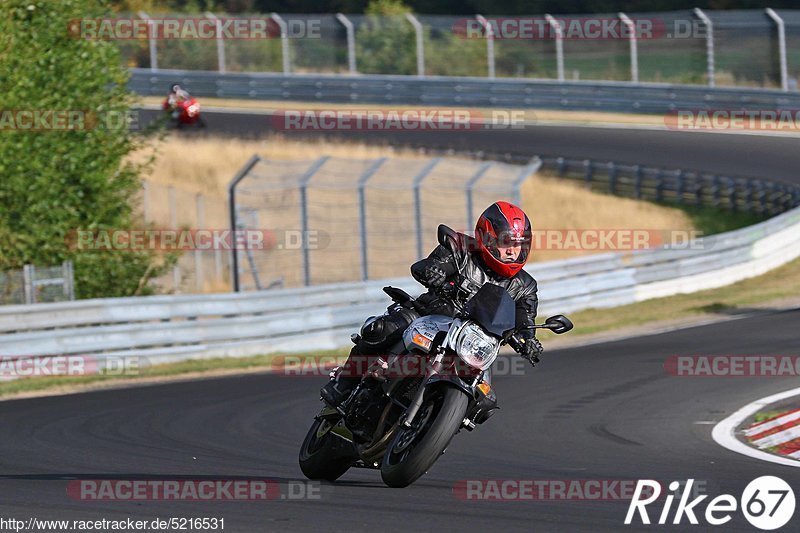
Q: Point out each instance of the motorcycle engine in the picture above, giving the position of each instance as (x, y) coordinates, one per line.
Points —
(364, 413)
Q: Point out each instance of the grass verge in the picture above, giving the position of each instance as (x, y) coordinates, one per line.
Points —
(776, 285)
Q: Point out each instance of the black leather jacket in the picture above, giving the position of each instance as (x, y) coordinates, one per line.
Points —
(458, 255)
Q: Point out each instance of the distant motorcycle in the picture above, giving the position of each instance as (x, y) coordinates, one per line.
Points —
(401, 422)
(185, 113)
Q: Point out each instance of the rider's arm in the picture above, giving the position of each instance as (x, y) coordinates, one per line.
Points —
(441, 258)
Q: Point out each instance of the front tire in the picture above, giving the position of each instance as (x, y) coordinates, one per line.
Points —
(413, 451)
(323, 455)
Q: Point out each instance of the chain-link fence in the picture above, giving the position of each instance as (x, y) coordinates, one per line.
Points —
(338, 219)
(32, 285)
(740, 47)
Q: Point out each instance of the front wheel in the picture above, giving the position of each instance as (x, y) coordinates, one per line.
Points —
(323, 455)
(414, 450)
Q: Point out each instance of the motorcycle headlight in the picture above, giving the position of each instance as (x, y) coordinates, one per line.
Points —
(475, 347)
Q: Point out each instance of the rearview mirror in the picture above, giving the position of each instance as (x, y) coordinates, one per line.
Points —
(558, 324)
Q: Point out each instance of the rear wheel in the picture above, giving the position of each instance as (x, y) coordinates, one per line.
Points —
(324, 455)
(414, 450)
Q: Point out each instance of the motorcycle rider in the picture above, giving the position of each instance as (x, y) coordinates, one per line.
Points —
(176, 95)
(495, 255)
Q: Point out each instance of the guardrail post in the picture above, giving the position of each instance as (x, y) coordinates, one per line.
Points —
(418, 200)
(634, 46)
(612, 177)
(531, 168)
(351, 42)
(781, 47)
(709, 44)
(587, 165)
(362, 213)
(559, 39)
(748, 202)
(303, 184)
(715, 190)
(418, 31)
(220, 41)
(561, 164)
(732, 196)
(681, 185)
(28, 273)
(659, 185)
(287, 65)
(489, 43)
(637, 181)
(698, 189)
(244, 171)
(151, 38)
(762, 197)
(471, 186)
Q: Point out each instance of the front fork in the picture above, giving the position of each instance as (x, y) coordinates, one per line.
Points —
(433, 369)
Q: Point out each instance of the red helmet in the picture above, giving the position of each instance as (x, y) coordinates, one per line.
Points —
(503, 224)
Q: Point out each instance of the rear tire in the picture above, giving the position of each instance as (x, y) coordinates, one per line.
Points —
(323, 456)
(405, 461)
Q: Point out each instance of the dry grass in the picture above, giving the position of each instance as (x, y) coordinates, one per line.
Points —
(205, 165)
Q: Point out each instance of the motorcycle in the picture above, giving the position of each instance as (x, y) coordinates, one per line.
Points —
(184, 113)
(402, 421)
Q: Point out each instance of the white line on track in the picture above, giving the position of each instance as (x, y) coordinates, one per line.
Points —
(724, 433)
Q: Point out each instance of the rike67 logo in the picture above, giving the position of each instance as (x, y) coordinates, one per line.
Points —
(767, 503)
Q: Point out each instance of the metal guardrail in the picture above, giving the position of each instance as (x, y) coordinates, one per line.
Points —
(463, 91)
(169, 328)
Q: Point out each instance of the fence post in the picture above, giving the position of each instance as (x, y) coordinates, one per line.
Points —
(634, 46)
(28, 273)
(220, 41)
(709, 44)
(531, 168)
(351, 42)
(471, 186)
(637, 181)
(781, 47)
(200, 216)
(69, 280)
(173, 221)
(362, 213)
(489, 43)
(232, 214)
(287, 65)
(303, 184)
(417, 200)
(420, 44)
(559, 39)
(151, 40)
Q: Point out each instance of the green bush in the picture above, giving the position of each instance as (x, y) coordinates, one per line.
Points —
(56, 181)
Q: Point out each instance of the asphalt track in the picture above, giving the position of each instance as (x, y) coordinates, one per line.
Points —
(775, 157)
(608, 411)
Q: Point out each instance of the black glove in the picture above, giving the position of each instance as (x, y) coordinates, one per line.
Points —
(530, 348)
(435, 276)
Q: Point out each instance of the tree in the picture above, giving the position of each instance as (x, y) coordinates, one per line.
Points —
(61, 179)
